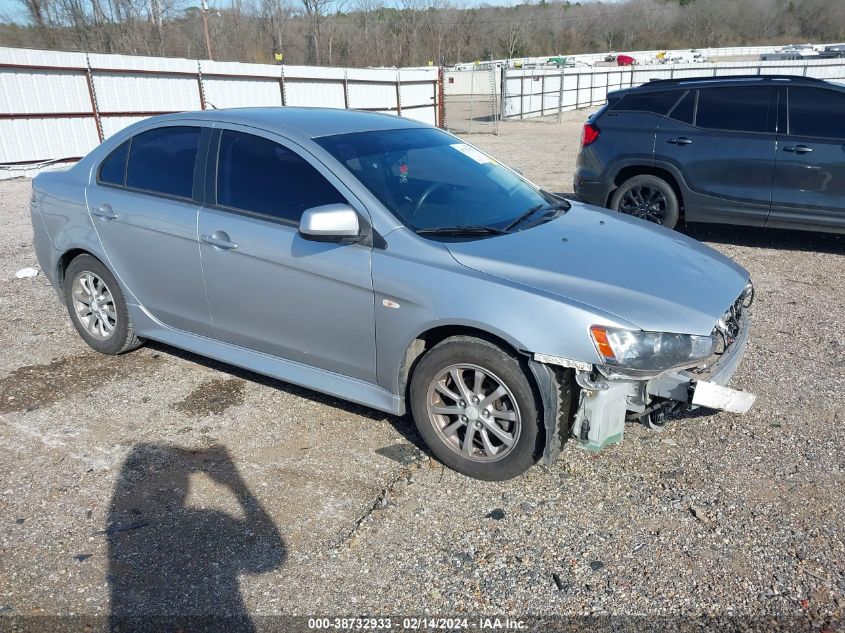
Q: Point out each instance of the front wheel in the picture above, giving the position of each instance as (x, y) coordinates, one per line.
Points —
(649, 198)
(474, 406)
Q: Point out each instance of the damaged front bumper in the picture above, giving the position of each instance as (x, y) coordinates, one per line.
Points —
(606, 403)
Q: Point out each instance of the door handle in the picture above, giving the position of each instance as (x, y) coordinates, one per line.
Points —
(104, 211)
(220, 239)
(798, 149)
(680, 141)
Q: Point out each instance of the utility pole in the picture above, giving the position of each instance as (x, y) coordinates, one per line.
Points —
(204, 14)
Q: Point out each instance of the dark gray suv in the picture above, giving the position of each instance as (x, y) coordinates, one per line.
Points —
(760, 151)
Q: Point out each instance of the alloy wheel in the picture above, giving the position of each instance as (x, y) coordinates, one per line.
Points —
(645, 202)
(94, 305)
(474, 412)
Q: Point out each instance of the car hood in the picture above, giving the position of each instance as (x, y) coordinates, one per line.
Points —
(654, 278)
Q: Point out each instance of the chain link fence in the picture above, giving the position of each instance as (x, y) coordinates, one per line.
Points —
(471, 99)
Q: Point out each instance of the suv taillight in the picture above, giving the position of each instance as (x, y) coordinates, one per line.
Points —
(589, 134)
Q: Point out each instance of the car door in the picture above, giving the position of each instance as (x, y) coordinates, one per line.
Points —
(722, 141)
(143, 202)
(809, 182)
(270, 289)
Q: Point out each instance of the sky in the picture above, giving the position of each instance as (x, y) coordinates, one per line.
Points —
(10, 8)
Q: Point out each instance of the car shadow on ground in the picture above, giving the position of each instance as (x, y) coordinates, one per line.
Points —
(404, 425)
(778, 239)
(174, 566)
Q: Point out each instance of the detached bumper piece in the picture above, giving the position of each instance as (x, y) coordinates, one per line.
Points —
(713, 396)
(606, 403)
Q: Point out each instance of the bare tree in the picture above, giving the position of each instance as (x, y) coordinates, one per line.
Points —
(315, 13)
(273, 19)
(416, 32)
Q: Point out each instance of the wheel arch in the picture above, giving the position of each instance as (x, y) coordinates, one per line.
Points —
(663, 172)
(66, 258)
(436, 333)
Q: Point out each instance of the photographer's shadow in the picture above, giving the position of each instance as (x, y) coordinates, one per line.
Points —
(174, 566)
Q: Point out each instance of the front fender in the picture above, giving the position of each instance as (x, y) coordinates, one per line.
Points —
(434, 290)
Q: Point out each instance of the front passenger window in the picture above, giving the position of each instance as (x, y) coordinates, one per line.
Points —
(257, 175)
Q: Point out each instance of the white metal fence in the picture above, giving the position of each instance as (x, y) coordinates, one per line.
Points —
(59, 105)
(645, 56)
(548, 92)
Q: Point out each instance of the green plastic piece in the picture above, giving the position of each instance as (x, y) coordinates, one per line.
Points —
(594, 447)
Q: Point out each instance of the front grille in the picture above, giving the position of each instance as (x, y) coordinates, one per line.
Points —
(728, 327)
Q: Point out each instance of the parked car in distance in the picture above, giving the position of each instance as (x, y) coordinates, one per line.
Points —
(390, 263)
(759, 151)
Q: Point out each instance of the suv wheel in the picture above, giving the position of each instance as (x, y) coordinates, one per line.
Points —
(649, 198)
(97, 307)
(474, 406)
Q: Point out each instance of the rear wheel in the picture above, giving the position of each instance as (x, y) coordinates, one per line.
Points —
(474, 406)
(97, 307)
(649, 198)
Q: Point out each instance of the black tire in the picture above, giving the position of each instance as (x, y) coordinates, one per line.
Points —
(669, 209)
(122, 337)
(502, 367)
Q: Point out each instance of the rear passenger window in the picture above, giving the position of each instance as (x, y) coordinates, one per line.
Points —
(113, 169)
(814, 112)
(255, 174)
(685, 110)
(655, 102)
(162, 161)
(741, 109)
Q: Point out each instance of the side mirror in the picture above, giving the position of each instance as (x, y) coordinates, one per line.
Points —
(330, 223)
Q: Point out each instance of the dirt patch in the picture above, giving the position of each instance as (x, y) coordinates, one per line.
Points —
(212, 397)
(35, 386)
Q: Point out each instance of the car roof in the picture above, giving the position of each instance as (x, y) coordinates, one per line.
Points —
(729, 80)
(301, 122)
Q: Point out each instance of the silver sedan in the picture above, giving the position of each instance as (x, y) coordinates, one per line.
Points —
(392, 264)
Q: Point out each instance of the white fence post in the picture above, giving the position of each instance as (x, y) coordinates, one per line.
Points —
(398, 94)
(92, 94)
(503, 113)
(560, 95)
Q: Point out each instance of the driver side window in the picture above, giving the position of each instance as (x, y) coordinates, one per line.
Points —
(257, 175)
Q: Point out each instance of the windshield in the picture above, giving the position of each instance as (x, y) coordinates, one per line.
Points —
(429, 179)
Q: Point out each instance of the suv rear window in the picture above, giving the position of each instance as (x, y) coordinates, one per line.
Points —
(740, 108)
(655, 102)
(685, 110)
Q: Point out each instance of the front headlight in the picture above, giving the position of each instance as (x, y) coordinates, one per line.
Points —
(650, 351)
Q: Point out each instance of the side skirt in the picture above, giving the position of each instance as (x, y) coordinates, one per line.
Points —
(352, 389)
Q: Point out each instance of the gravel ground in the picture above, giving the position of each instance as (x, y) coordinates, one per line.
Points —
(159, 483)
